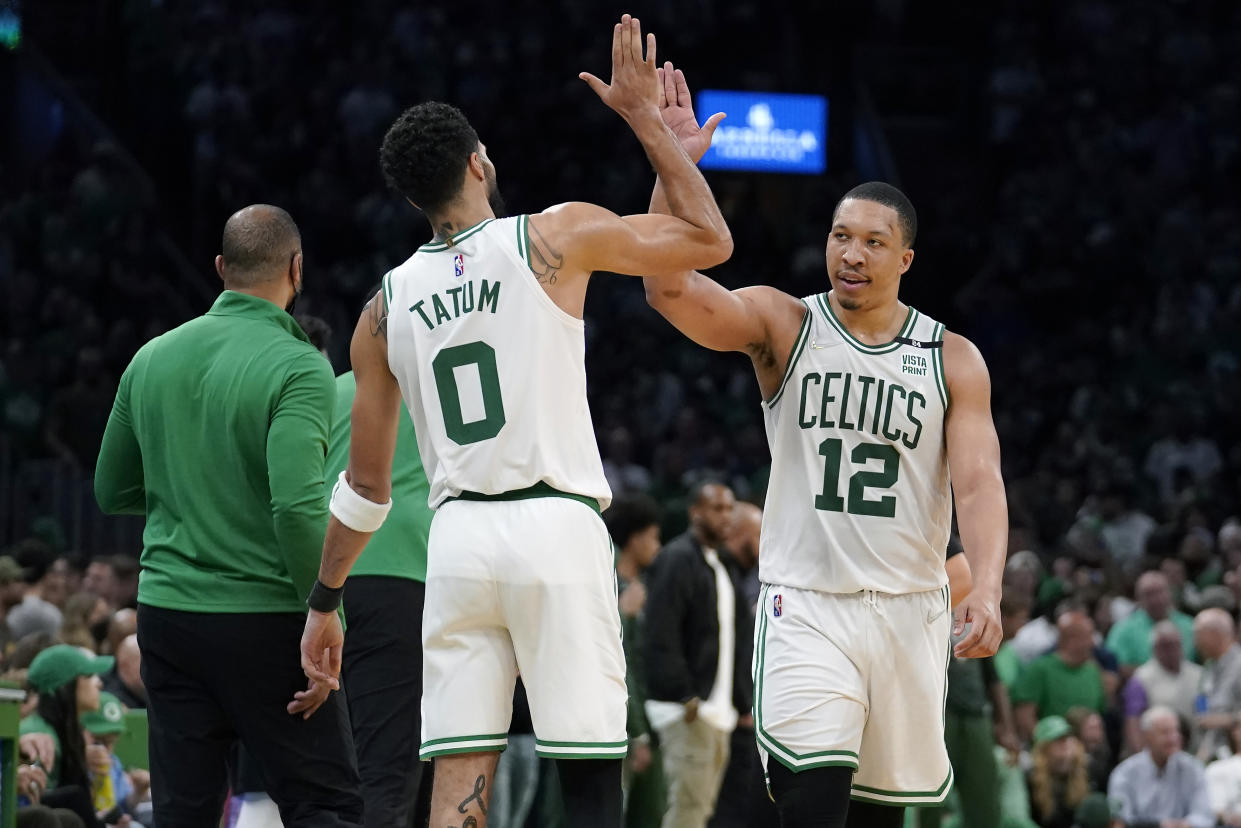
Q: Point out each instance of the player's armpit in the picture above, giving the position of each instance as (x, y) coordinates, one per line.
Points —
(974, 457)
(583, 238)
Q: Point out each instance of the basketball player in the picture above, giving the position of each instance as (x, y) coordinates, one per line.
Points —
(868, 403)
(481, 333)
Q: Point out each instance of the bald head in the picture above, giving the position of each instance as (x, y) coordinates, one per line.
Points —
(743, 537)
(1214, 632)
(1075, 645)
(259, 245)
(129, 665)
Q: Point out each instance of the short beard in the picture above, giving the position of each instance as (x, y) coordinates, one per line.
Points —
(494, 199)
(848, 304)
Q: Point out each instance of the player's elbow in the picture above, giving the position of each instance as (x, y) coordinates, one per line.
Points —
(719, 247)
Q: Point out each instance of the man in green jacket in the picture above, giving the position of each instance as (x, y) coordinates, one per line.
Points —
(218, 435)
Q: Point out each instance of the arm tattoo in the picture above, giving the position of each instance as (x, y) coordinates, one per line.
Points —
(378, 314)
(545, 260)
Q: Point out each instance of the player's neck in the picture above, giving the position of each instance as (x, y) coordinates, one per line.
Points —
(873, 325)
(447, 224)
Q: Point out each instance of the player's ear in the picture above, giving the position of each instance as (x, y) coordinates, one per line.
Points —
(476, 167)
(907, 258)
(219, 266)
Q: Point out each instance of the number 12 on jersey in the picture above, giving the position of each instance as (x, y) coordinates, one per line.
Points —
(861, 480)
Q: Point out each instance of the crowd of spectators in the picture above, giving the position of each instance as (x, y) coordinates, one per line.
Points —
(1099, 271)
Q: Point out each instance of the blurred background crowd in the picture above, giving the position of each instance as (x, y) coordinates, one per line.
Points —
(1071, 164)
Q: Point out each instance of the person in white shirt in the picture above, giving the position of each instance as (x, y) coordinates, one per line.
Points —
(1224, 782)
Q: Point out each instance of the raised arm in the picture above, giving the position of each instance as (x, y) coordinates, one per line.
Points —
(978, 488)
(361, 499)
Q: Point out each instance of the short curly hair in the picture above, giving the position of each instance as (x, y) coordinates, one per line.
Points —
(425, 153)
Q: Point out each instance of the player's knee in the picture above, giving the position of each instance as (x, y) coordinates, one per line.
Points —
(814, 798)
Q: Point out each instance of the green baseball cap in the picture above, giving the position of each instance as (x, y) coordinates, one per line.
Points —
(1051, 728)
(62, 663)
(109, 718)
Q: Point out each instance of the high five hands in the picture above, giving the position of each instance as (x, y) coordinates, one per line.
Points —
(677, 110)
(635, 90)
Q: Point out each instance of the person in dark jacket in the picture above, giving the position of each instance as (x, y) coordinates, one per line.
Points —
(698, 664)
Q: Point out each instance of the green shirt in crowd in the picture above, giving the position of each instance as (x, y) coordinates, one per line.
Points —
(399, 548)
(1130, 640)
(1054, 687)
(218, 435)
(34, 723)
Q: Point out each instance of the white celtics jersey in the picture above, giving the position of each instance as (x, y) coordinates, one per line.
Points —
(492, 371)
(859, 495)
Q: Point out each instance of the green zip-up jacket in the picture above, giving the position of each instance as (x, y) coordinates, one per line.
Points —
(218, 435)
(399, 548)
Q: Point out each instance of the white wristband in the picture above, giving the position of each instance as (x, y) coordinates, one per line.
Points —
(355, 511)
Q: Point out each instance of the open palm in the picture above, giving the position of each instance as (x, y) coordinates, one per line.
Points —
(677, 110)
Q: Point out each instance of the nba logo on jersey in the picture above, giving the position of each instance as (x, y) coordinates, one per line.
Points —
(458, 266)
(777, 606)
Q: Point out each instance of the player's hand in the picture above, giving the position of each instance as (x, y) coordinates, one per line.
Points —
(677, 111)
(634, 90)
(309, 700)
(981, 613)
(322, 642)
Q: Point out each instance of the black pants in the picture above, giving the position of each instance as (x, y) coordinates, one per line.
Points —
(212, 679)
(382, 672)
(743, 800)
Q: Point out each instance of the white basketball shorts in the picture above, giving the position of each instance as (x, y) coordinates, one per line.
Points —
(522, 585)
(856, 680)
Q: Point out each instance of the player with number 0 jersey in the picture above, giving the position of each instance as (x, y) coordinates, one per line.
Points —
(481, 333)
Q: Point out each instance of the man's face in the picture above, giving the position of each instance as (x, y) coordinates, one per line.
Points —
(1154, 596)
(866, 254)
(712, 514)
(1163, 738)
(1167, 650)
(645, 545)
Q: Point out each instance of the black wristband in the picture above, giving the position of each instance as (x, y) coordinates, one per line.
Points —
(324, 598)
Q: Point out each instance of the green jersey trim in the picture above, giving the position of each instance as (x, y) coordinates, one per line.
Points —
(387, 290)
(581, 750)
(463, 744)
(523, 240)
(799, 345)
(885, 348)
(436, 247)
(881, 795)
(937, 356)
(540, 489)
